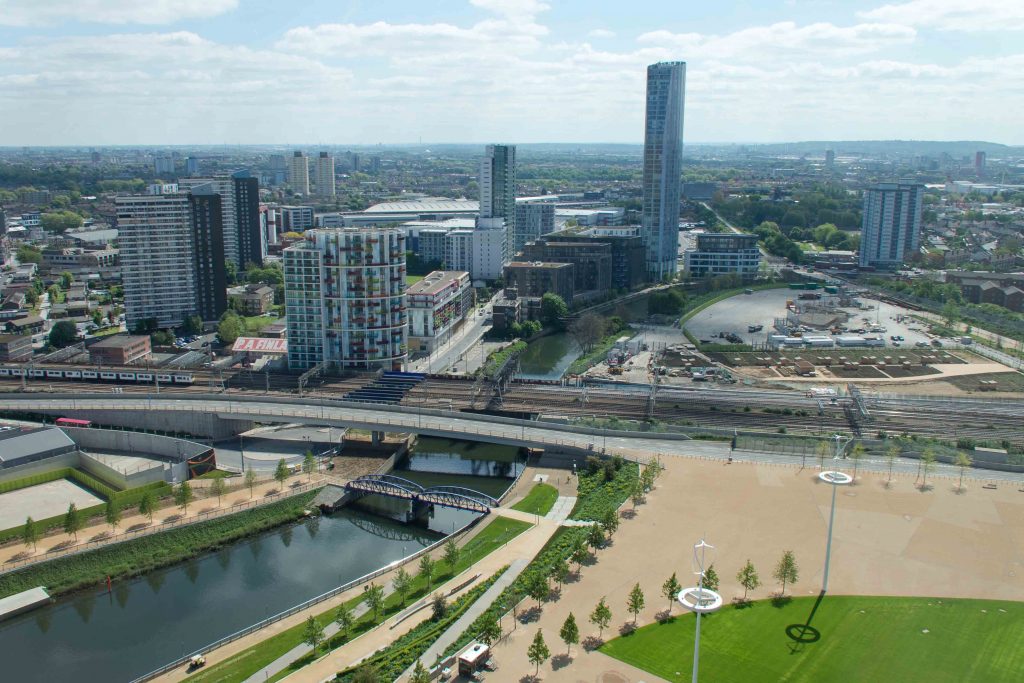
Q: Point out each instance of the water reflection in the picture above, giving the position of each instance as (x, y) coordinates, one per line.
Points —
(548, 357)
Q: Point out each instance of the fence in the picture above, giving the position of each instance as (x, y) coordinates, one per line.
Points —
(307, 604)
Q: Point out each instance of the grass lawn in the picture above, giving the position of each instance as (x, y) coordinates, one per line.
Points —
(412, 279)
(539, 500)
(256, 323)
(853, 639)
(498, 532)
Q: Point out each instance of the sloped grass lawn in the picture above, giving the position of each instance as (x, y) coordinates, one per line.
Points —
(539, 500)
(850, 638)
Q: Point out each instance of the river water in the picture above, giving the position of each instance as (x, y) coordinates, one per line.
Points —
(144, 623)
(548, 357)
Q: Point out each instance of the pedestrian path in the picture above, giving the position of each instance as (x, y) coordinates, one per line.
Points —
(562, 508)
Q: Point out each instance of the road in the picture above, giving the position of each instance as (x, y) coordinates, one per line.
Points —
(457, 344)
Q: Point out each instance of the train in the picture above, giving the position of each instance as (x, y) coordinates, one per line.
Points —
(98, 375)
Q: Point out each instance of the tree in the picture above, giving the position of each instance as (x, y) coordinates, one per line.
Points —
(66, 278)
(344, 618)
(183, 496)
(97, 317)
(891, 453)
(60, 221)
(313, 633)
(364, 674)
(748, 578)
(823, 450)
(375, 599)
(537, 587)
(427, 569)
(570, 632)
(610, 521)
(786, 571)
(595, 537)
(587, 330)
(308, 464)
(250, 480)
(552, 308)
(63, 333)
(112, 513)
(29, 254)
(635, 601)
(230, 328)
(951, 313)
(419, 673)
(927, 454)
(927, 463)
(963, 461)
(147, 505)
(218, 488)
(711, 578)
(490, 631)
(580, 553)
(29, 533)
(560, 571)
(601, 616)
(402, 583)
(438, 607)
(670, 589)
(281, 471)
(856, 453)
(637, 494)
(72, 521)
(538, 651)
(451, 555)
(193, 325)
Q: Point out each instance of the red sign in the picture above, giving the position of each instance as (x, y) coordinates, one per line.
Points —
(260, 345)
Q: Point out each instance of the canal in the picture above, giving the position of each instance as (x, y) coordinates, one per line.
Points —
(144, 623)
(548, 357)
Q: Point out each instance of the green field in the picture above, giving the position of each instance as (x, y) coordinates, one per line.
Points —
(850, 639)
(539, 500)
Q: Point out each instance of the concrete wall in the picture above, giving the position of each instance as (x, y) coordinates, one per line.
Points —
(109, 440)
(158, 472)
(206, 425)
(40, 466)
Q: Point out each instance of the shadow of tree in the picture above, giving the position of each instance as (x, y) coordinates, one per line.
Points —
(101, 536)
(779, 600)
(23, 555)
(140, 525)
(665, 616)
(742, 603)
(530, 615)
(529, 678)
(172, 518)
(591, 643)
(628, 514)
(560, 661)
(627, 628)
(63, 545)
(925, 488)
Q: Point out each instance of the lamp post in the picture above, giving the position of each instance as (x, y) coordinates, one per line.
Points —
(699, 600)
(835, 479)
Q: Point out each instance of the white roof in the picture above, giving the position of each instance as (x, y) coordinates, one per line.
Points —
(428, 205)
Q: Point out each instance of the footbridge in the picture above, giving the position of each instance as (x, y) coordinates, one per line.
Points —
(446, 496)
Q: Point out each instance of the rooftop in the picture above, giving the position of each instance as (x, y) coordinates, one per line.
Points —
(427, 205)
(436, 281)
(18, 443)
(118, 341)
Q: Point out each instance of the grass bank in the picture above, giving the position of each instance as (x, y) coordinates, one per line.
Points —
(850, 638)
(498, 532)
(598, 353)
(539, 500)
(145, 554)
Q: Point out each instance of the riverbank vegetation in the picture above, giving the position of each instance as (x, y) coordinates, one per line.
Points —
(539, 500)
(596, 335)
(141, 555)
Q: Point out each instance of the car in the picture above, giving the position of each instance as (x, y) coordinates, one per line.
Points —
(897, 343)
(899, 337)
(893, 337)
(921, 345)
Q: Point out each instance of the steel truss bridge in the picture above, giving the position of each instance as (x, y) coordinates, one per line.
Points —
(445, 496)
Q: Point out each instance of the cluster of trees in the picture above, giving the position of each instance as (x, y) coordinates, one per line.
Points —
(666, 302)
(60, 221)
(926, 288)
(552, 309)
(591, 328)
(230, 328)
(777, 243)
(417, 265)
(28, 254)
(824, 203)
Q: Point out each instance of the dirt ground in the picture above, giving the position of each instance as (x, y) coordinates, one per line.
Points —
(893, 540)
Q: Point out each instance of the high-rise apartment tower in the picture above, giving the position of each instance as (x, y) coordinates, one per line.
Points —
(891, 227)
(298, 173)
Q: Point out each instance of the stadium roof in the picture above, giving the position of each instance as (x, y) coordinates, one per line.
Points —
(428, 205)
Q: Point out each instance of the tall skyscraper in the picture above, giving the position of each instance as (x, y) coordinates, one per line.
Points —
(498, 192)
(980, 158)
(830, 159)
(157, 258)
(240, 204)
(208, 251)
(298, 173)
(324, 175)
(663, 161)
(191, 166)
(345, 298)
(891, 227)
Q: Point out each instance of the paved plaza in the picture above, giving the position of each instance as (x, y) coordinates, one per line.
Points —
(42, 502)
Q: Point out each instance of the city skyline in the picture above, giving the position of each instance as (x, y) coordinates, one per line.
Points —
(781, 71)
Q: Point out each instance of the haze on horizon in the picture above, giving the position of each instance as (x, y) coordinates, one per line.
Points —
(206, 72)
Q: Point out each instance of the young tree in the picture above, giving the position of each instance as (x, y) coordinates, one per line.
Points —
(601, 616)
(891, 453)
(344, 618)
(250, 480)
(748, 578)
(587, 330)
(438, 607)
(927, 463)
(147, 506)
(580, 553)
(637, 494)
(635, 602)
(552, 308)
(570, 633)
(711, 578)
(610, 522)
(670, 589)
(595, 537)
(538, 651)
(823, 450)
(217, 488)
(451, 555)
(72, 521)
(402, 583)
(427, 568)
(490, 632)
(927, 454)
(537, 587)
(29, 533)
(375, 599)
(420, 673)
(308, 464)
(560, 571)
(281, 472)
(313, 633)
(963, 461)
(183, 496)
(856, 454)
(786, 570)
(112, 513)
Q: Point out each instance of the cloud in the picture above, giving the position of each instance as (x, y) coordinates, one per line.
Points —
(601, 33)
(953, 15)
(45, 12)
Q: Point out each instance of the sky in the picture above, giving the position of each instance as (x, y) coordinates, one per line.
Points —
(142, 72)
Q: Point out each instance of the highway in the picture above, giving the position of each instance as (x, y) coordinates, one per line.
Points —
(490, 429)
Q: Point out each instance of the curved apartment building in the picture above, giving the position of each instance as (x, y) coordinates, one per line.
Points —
(345, 298)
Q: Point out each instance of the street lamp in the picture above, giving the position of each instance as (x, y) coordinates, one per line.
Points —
(835, 479)
(699, 600)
